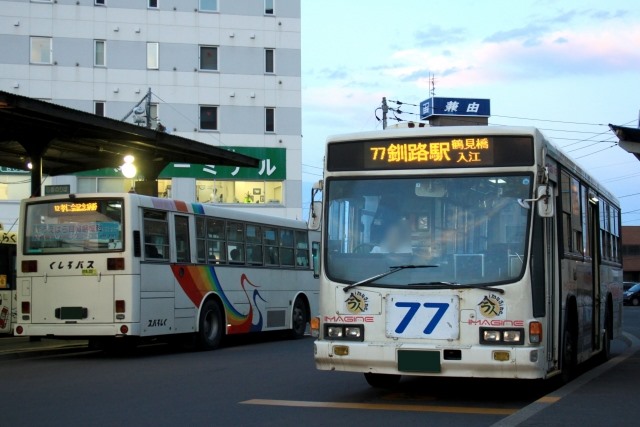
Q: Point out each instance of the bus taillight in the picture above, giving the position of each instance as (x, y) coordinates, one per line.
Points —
(535, 332)
(19, 330)
(120, 306)
(26, 307)
(30, 266)
(115, 263)
(124, 329)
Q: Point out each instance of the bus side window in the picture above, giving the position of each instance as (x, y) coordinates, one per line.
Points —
(183, 249)
(302, 249)
(156, 235)
(315, 258)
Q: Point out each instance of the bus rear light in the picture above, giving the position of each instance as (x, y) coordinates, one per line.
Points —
(315, 327)
(19, 330)
(120, 306)
(535, 332)
(115, 263)
(124, 329)
(30, 266)
(26, 307)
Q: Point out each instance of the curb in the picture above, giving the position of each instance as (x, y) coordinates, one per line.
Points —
(546, 401)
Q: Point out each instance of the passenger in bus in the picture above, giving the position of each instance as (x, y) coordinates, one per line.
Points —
(151, 251)
(396, 238)
(235, 255)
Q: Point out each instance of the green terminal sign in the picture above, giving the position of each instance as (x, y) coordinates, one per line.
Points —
(272, 167)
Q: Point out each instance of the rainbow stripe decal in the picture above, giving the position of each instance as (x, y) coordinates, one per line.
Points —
(177, 205)
(198, 280)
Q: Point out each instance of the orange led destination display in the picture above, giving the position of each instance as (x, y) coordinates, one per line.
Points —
(430, 152)
(81, 207)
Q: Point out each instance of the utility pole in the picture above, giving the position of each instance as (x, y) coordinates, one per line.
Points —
(385, 109)
(148, 108)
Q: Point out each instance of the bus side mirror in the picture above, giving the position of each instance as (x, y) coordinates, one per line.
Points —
(545, 202)
(315, 216)
(315, 212)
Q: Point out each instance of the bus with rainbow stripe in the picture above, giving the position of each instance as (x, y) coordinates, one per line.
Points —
(116, 268)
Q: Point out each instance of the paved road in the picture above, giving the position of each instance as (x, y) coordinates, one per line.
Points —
(264, 381)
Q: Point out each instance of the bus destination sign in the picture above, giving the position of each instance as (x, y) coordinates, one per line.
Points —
(72, 208)
(430, 153)
(469, 150)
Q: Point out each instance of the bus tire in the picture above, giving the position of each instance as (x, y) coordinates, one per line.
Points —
(382, 380)
(211, 326)
(635, 301)
(299, 319)
(569, 356)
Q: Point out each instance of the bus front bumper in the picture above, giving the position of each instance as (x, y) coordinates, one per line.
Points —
(76, 330)
(428, 360)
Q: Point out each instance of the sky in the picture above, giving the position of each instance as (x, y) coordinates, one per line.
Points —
(568, 67)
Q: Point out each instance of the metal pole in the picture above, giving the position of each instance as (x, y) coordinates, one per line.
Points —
(385, 109)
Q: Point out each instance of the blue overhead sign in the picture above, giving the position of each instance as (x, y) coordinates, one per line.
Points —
(437, 106)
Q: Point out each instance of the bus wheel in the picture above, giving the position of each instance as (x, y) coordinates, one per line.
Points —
(382, 380)
(569, 359)
(635, 301)
(298, 319)
(211, 326)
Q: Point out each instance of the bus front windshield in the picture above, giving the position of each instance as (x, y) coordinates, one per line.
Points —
(73, 225)
(471, 230)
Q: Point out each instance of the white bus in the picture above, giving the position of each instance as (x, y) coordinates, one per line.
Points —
(110, 267)
(8, 242)
(464, 252)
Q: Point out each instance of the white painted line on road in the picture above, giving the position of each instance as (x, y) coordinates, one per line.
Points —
(548, 400)
(382, 407)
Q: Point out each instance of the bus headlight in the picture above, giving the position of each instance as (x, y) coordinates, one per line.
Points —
(339, 332)
(334, 331)
(511, 336)
(504, 336)
(491, 336)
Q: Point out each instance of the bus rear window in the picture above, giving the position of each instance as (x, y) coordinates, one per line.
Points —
(78, 225)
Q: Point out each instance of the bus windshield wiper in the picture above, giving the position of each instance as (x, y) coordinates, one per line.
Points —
(453, 285)
(392, 270)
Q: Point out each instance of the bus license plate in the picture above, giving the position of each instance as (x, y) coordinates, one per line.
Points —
(430, 316)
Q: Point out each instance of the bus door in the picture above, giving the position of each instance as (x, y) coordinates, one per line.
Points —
(593, 225)
(552, 285)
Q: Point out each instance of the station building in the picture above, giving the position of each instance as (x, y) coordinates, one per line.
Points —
(222, 72)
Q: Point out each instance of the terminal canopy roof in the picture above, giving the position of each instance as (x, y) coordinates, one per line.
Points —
(64, 140)
(629, 139)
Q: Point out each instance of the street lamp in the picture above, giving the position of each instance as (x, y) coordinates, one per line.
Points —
(128, 169)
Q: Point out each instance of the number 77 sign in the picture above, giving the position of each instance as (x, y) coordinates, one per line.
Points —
(429, 316)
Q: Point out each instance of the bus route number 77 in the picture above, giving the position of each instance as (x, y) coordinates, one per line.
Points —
(434, 317)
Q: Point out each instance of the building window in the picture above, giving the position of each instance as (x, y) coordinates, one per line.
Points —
(100, 2)
(269, 7)
(100, 48)
(269, 119)
(208, 58)
(153, 4)
(208, 118)
(269, 59)
(234, 192)
(41, 50)
(209, 5)
(98, 108)
(152, 55)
